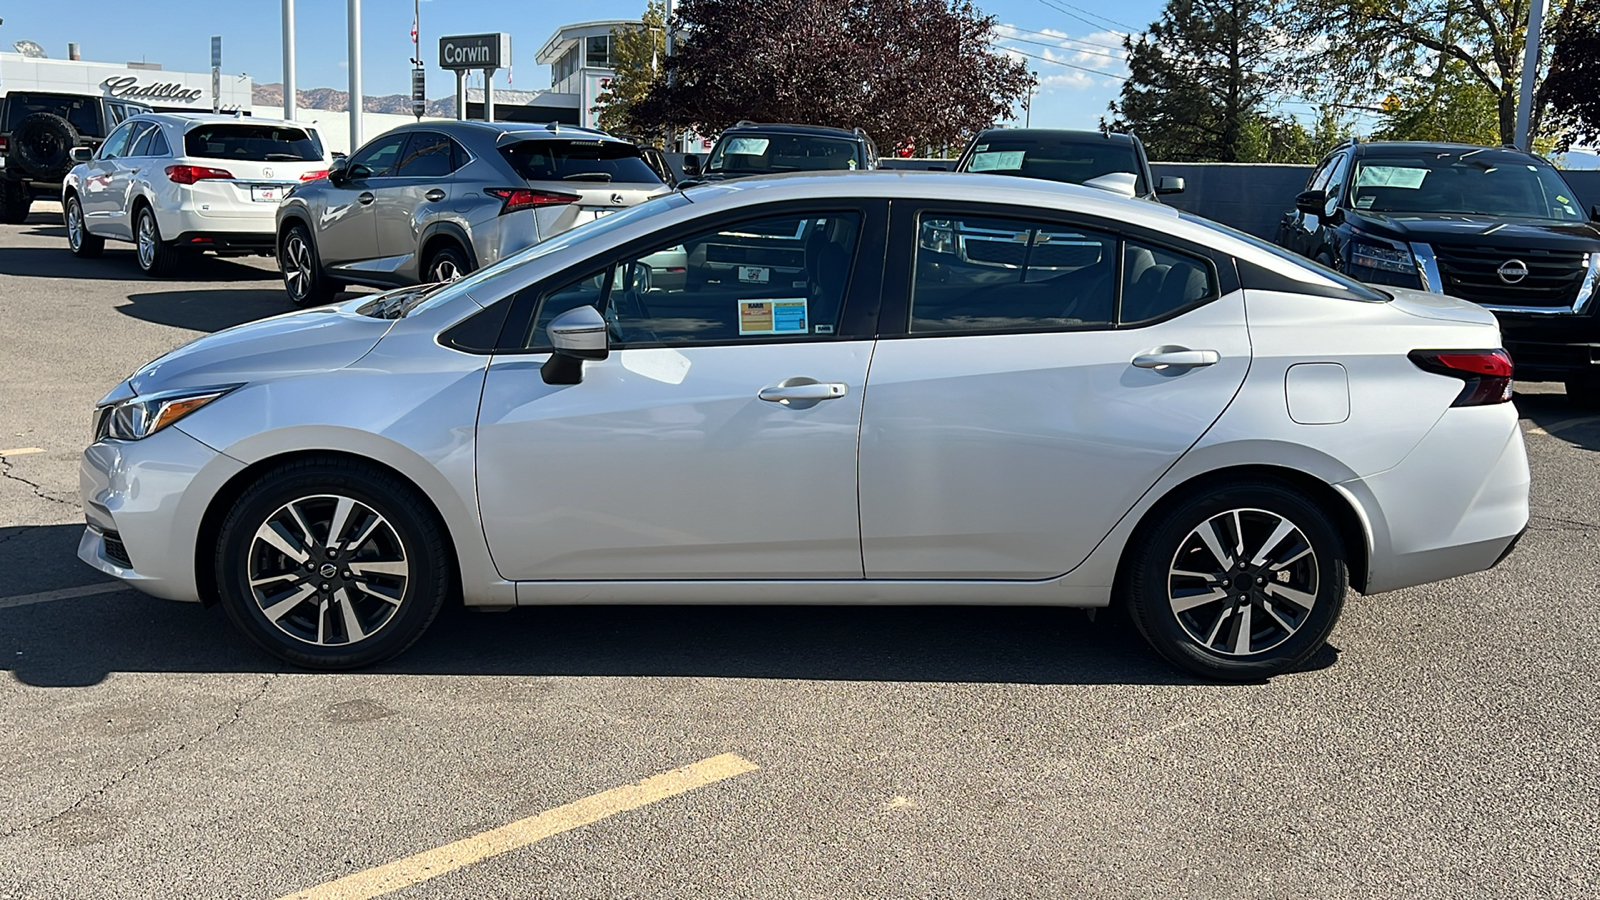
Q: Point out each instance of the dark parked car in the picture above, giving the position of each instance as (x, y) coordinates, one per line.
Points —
(38, 132)
(1108, 160)
(752, 149)
(1493, 225)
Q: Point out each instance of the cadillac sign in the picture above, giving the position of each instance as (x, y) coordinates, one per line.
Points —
(129, 88)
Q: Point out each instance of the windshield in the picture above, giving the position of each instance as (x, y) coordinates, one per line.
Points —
(563, 242)
(1473, 182)
(766, 154)
(1361, 291)
(579, 160)
(1070, 161)
(254, 143)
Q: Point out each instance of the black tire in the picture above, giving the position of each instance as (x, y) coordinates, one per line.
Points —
(156, 257)
(1172, 609)
(43, 144)
(448, 263)
(16, 201)
(83, 244)
(313, 631)
(303, 278)
(1584, 391)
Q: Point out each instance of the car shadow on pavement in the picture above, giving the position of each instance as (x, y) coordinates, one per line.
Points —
(79, 641)
(1559, 417)
(207, 310)
(117, 264)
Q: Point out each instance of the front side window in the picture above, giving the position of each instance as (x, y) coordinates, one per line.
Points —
(429, 155)
(141, 145)
(380, 156)
(1335, 186)
(254, 143)
(773, 279)
(1483, 181)
(117, 144)
(977, 274)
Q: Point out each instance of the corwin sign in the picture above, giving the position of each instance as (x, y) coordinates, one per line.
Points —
(475, 51)
(128, 87)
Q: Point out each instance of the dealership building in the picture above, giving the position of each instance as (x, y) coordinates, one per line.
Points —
(145, 82)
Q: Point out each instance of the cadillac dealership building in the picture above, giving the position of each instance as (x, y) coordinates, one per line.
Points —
(146, 83)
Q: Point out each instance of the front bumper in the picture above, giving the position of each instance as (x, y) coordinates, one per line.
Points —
(149, 496)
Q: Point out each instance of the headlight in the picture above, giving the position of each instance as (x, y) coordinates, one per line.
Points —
(136, 418)
(1382, 258)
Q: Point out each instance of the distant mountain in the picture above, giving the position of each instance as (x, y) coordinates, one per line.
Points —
(339, 101)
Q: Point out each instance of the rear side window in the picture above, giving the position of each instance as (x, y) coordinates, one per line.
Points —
(141, 144)
(429, 155)
(256, 143)
(579, 160)
(1157, 282)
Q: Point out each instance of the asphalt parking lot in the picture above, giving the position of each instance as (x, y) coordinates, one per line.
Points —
(1442, 747)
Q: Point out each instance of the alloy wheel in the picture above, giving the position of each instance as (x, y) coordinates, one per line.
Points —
(327, 570)
(445, 270)
(147, 240)
(1243, 582)
(74, 224)
(297, 267)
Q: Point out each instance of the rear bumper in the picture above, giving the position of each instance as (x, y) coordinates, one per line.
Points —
(1552, 361)
(264, 242)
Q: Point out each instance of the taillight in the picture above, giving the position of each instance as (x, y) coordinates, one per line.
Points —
(513, 199)
(313, 176)
(5, 143)
(191, 174)
(1487, 373)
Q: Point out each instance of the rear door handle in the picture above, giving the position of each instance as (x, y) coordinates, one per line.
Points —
(434, 195)
(364, 198)
(802, 390)
(1176, 357)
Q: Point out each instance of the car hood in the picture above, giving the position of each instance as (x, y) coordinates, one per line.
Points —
(1486, 230)
(1426, 305)
(297, 343)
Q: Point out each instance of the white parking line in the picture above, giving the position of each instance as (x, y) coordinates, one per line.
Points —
(88, 590)
(18, 451)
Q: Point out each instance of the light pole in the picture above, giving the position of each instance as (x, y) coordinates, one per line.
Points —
(354, 62)
(290, 97)
(1530, 71)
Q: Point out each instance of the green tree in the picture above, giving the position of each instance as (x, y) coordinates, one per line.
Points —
(917, 70)
(1199, 84)
(637, 55)
(1451, 106)
(1573, 85)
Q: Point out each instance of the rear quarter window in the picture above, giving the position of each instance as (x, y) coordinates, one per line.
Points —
(579, 160)
(256, 143)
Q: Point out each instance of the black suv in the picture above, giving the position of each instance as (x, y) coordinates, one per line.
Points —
(38, 132)
(1493, 225)
(1108, 160)
(751, 149)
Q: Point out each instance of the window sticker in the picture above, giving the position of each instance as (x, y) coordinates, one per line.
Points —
(747, 146)
(999, 160)
(1391, 177)
(851, 163)
(1365, 202)
(783, 316)
(980, 148)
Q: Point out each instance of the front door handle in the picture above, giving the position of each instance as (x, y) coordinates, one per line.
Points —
(434, 195)
(802, 390)
(1163, 358)
(365, 198)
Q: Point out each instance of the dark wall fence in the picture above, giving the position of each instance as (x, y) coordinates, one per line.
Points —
(1251, 197)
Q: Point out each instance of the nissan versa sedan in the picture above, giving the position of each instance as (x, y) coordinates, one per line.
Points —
(985, 390)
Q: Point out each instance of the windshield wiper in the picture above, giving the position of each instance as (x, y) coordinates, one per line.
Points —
(293, 157)
(587, 176)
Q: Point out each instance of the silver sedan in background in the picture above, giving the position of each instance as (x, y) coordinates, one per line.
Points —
(868, 388)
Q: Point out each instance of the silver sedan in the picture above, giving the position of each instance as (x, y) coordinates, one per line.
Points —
(866, 388)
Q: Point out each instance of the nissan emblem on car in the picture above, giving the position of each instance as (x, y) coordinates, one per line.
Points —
(1513, 271)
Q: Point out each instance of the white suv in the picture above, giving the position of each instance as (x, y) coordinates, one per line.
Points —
(180, 183)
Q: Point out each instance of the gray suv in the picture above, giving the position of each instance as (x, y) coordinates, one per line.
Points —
(433, 201)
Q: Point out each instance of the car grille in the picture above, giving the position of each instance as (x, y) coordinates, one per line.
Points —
(115, 551)
(1471, 273)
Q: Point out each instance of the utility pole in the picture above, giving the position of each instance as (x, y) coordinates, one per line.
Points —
(1530, 71)
(290, 96)
(354, 62)
(419, 75)
(672, 134)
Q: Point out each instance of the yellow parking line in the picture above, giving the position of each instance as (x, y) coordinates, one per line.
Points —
(433, 863)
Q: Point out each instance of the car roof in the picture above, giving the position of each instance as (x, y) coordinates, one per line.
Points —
(789, 128)
(1115, 137)
(1401, 148)
(462, 128)
(190, 120)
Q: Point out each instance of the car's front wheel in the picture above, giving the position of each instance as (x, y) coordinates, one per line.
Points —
(448, 263)
(1238, 582)
(84, 245)
(332, 564)
(303, 279)
(157, 258)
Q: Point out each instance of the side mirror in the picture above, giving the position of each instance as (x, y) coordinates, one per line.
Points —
(1594, 213)
(82, 154)
(339, 169)
(578, 334)
(691, 166)
(1311, 203)
(1170, 184)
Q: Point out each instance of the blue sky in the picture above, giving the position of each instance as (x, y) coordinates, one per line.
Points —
(1067, 43)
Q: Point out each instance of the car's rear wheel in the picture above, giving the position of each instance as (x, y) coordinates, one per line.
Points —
(157, 258)
(1238, 582)
(303, 279)
(16, 201)
(1584, 390)
(332, 564)
(84, 245)
(448, 263)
